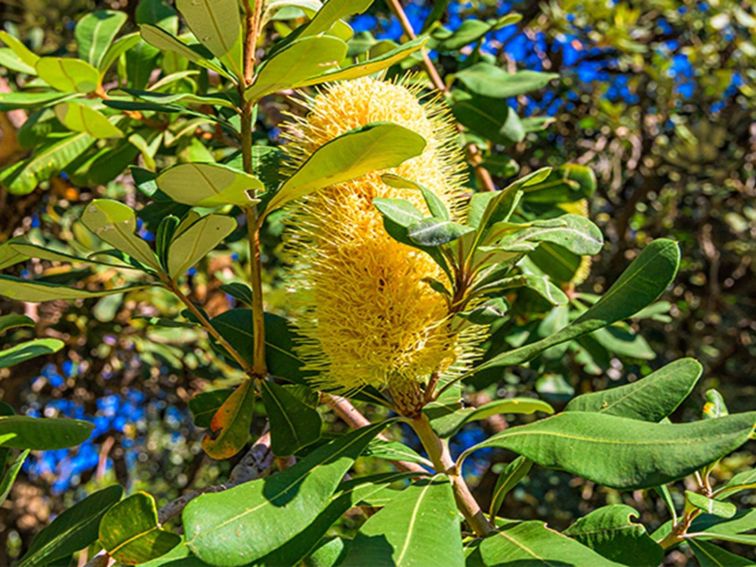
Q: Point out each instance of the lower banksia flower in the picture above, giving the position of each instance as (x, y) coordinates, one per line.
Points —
(364, 308)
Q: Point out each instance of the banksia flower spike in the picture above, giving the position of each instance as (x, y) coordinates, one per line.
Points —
(365, 311)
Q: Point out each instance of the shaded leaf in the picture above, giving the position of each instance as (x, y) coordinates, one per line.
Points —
(217, 26)
(194, 243)
(489, 80)
(81, 118)
(7, 480)
(28, 350)
(43, 434)
(293, 424)
(229, 428)
(208, 185)
(35, 291)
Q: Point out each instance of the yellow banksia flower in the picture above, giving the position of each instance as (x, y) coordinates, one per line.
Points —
(584, 270)
(363, 305)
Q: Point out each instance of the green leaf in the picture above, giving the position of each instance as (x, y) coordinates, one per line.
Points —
(13, 321)
(488, 117)
(217, 26)
(208, 185)
(421, 522)
(715, 405)
(369, 67)
(130, 532)
(74, 529)
(435, 232)
(36, 292)
(197, 241)
(710, 506)
(611, 532)
(469, 32)
(492, 81)
(374, 147)
(533, 544)
(300, 60)
(19, 49)
(573, 232)
(623, 453)
(331, 12)
(745, 480)
(708, 526)
(567, 183)
(650, 399)
(168, 99)
(620, 341)
(81, 118)
(449, 425)
(164, 41)
(6, 483)
(68, 75)
(229, 428)
(28, 350)
(22, 99)
(393, 451)
(513, 473)
(95, 33)
(400, 211)
(115, 223)
(638, 286)
(43, 434)
(293, 424)
(118, 48)
(349, 494)
(435, 204)
(205, 404)
(24, 176)
(710, 555)
(247, 522)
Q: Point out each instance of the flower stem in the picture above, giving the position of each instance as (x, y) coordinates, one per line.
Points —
(438, 451)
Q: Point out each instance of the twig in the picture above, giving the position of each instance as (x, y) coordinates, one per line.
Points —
(354, 418)
(473, 152)
(253, 465)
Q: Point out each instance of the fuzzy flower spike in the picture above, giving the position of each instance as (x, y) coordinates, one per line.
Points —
(363, 307)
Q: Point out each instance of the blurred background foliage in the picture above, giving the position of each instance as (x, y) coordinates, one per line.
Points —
(654, 96)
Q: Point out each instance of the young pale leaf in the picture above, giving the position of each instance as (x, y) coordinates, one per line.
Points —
(7, 480)
(28, 350)
(623, 453)
(533, 544)
(293, 424)
(217, 26)
(710, 555)
(245, 523)
(369, 67)
(419, 523)
(710, 506)
(611, 532)
(331, 12)
(435, 204)
(300, 60)
(573, 232)
(489, 80)
(436, 232)
(650, 399)
(96, 31)
(68, 75)
(19, 49)
(130, 532)
(11, 101)
(23, 177)
(36, 292)
(638, 286)
(358, 152)
(196, 242)
(81, 118)
(43, 434)
(745, 480)
(115, 223)
(164, 41)
(208, 185)
(508, 479)
(74, 529)
(399, 211)
(229, 428)
(114, 52)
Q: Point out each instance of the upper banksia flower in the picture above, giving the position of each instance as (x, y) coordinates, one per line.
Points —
(366, 313)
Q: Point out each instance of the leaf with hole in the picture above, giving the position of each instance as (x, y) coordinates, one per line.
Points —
(208, 185)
